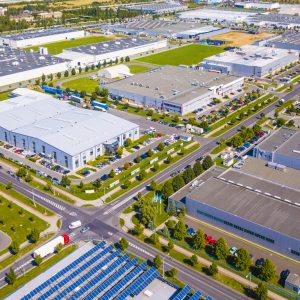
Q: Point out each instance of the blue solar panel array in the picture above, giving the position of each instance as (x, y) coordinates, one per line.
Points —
(75, 273)
(150, 273)
(92, 271)
(71, 266)
(196, 296)
(183, 293)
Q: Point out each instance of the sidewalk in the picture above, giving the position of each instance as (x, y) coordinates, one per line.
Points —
(129, 225)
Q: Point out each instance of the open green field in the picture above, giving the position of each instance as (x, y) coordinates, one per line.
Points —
(135, 69)
(57, 47)
(187, 55)
(81, 84)
(17, 222)
(4, 95)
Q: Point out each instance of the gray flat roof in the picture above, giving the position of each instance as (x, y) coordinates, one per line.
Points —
(38, 33)
(111, 46)
(15, 61)
(156, 7)
(292, 38)
(171, 83)
(276, 18)
(250, 205)
(59, 124)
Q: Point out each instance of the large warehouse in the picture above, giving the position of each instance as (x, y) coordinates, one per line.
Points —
(101, 272)
(19, 65)
(250, 61)
(174, 89)
(39, 37)
(71, 136)
(157, 7)
(282, 147)
(258, 210)
(111, 50)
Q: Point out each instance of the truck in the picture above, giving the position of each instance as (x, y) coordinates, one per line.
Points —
(50, 247)
(76, 99)
(99, 105)
(52, 90)
(75, 224)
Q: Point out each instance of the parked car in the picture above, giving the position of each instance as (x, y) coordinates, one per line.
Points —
(191, 231)
(284, 274)
(86, 172)
(85, 229)
(233, 250)
(259, 262)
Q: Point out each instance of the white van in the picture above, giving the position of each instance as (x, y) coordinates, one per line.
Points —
(75, 224)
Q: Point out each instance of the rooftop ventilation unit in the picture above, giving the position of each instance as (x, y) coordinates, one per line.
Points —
(42, 58)
(93, 48)
(15, 63)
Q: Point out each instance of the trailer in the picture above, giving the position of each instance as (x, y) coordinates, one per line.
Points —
(99, 105)
(52, 90)
(50, 247)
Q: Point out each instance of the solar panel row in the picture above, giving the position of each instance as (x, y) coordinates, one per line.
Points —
(63, 271)
(81, 269)
(196, 296)
(183, 293)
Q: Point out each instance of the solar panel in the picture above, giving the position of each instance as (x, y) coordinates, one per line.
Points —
(91, 272)
(76, 272)
(183, 293)
(196, 296)
(74, 264)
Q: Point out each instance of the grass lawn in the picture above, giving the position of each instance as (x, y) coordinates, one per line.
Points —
(4, 95)
(135, 69)
(16, 222)
(186, 55)
(81, 84)
(57, 47)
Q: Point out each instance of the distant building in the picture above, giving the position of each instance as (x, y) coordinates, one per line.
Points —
(292, 283)
(258, 5)
(50, 14)
(157, 7)
(25, 16)
(115, 71)
(3, 10)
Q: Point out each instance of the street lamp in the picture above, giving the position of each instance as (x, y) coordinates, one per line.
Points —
(249, 276)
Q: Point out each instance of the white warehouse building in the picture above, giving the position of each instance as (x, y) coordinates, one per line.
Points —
(250, 60)
(72, 136)
(111, 50)
(38, 37)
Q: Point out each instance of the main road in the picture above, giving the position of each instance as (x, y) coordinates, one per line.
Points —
(104, 221)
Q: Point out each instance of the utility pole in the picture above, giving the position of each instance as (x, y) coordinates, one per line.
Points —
(163, 267)
(249, 276)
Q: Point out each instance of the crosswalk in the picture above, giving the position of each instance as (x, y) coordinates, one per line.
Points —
(140, 249)
(51, 202)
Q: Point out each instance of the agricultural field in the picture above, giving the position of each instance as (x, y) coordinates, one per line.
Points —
(186, 55)
(57, 47)
(241, 38)
(81, 84)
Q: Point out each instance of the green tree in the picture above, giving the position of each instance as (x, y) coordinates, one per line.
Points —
(150, 153)
(188, 175)
(256, 128)
(9, 186)
(267, 271)
(97, 183)
(198, 240)
(142, 175)
(138, 229)
(207, 162)
(155, 167)
(153, 185)
(154, 238)
(236, 141)
(137, 160)
(280, 122)
(14, 247)
(120, 151)
(73, 72)
(38, 260)
(170, 246)
(34, 235)
(65, 181)
(243, 259)
(180, 231)
(28, 178)
(160, 146)
(194, 260)
(123, 244)
(261, 292)
(112, 173)
(11, 276)
(59, 247)
(172, 273)
(126, 184)
(169, 159)
(157, 262)
(128, 142)
(177, 183)
(221, 249)
(167, 190)
(22, 172)
(197, 168)
(166, 232)
(213, 269)
(126, 165)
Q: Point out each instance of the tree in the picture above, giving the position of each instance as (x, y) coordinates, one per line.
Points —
(207, 162)
(197, 168)
(236, 141)
(65, 181)
(221, 249)
(157, 262)
(213, 269)
(127, 59)
(261, 292)
(137, 159)
(112, 173)
(169, 159)
(123, 244)
(34, 236)
(172, 273)
(243, 259)
(66, 74)
(14, 247)
(126, 165)
(188, 175)
(138, 229)
(59, 247)
(160, 146)
(167, 190)
(198, 240)
(180, 231)
(97, 183)
(194, 260)
(28, 178)
(256, 128)
(170, 246)
(171, 208)
(177, 183)
(166, 232)
(267, 271)
(155, 167)
(142, 175)
(9, 186)
(22, 172)
(126, 184)
(154, 238)
(11, 276)
(120, 151)
(73, 71)
(290, 123)
(150, 153)
(153, 185)
(38, 260)
(280, 122)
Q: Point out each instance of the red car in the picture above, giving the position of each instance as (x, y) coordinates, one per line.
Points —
(209, 239)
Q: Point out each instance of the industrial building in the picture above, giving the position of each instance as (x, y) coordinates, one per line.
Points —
(282, 147)
(115, 72)
(18, 65)
(287, 40)
(250, 60)
(110, 51)
(71, 136)
(165, 29)
(157, 7)
(258, 5)
(174, 89)
(101, 272)
(39, 37)
(258, 210)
